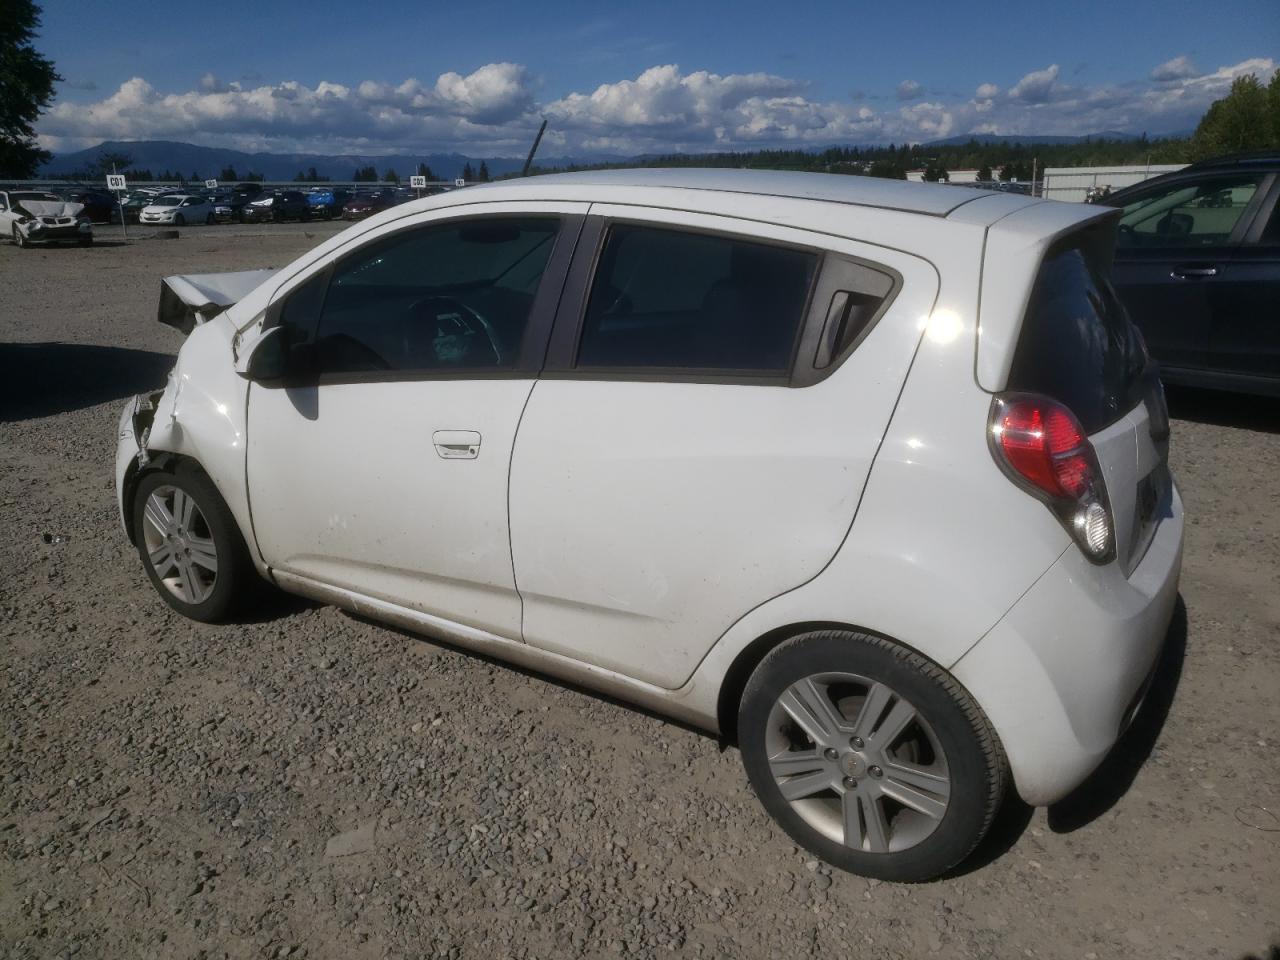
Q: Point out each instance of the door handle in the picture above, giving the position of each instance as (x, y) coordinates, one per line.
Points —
(1188, 271)
(457, 444)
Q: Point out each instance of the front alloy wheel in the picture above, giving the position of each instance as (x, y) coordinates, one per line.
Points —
(191, 546)
(180, 544)
(870, 755)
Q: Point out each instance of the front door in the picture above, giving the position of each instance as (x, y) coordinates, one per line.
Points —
(1173, 254)
(380, 463)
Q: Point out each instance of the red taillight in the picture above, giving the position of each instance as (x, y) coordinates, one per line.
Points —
(1042, 441)
(1043, 447)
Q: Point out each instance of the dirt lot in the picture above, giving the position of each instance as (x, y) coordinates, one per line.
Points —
(169, 789)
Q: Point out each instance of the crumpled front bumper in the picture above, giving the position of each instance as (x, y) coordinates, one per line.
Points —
(135, 421)
(37, 231)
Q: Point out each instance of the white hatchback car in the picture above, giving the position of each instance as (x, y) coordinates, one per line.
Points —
(867, 476)
(178, 209)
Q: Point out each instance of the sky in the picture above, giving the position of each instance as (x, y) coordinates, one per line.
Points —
(477, 77)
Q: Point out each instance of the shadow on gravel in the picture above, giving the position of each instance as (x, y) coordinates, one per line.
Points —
(1272, 954)
(1112, 779)
(1224, 409)
(535, 674)
(44, 379)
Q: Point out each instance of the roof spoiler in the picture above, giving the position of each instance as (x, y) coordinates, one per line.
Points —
(187, 300)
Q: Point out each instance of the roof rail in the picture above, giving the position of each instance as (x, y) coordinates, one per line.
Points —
(1238, 159)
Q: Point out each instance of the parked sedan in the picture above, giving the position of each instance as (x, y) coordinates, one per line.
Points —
(868, 477)
(275, 206)
(178, 209)
(34, 216)
(367, 204)
(231, 205)
(1197, 264)
(98, 204)
(327, 204)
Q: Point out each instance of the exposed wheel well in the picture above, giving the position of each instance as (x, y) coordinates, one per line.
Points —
(739, 672)
(161, 462)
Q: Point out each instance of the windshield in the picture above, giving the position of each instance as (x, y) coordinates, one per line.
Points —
(42, 197)
(167, 201)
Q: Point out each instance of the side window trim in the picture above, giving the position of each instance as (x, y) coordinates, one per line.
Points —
(542, 313)
(835, 272)
(1268, 210)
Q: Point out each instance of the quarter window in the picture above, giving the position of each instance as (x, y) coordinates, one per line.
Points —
(1198, 214)
(454, 296)
(672, 299)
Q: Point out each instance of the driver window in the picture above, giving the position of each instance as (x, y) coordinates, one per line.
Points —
(1198, 214)
(452, 296)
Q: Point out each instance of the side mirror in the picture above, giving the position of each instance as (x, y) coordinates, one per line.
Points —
(269, 360)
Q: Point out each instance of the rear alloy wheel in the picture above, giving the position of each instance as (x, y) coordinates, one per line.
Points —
(190, 545)
(869, 755)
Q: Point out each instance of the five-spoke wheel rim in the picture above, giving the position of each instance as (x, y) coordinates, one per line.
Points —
(180, 544)
(857, 762)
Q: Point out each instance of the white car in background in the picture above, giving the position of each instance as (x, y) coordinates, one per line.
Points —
(35, 216)
(868, 477)
(178, 209)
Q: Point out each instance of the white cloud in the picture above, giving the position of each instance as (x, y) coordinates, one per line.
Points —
(909, 90)
(495, 110)
(1179, 68)
(1037, 86)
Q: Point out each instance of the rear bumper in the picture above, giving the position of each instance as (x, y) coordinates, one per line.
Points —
(1059, 674)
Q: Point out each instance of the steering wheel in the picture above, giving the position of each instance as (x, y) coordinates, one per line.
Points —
(454, 328)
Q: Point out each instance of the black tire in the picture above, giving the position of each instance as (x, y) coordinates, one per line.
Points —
(179, 221)
(237, 584)
(86, 241)
(18, 239)
(971, 753)
(210, 220)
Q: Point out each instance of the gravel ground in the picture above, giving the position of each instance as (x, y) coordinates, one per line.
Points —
(315, 785)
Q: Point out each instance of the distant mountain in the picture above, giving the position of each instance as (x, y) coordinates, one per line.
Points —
(186, 158)
(991, 138)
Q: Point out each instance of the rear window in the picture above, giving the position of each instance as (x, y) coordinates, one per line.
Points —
(1077, 344)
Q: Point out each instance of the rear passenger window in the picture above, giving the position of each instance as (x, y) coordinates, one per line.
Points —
(451, 297)
(672, 299)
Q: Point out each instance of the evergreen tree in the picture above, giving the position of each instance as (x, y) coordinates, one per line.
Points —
(467, 173)
(26, 87)
(425, 171)
(484, 172)
(984, 173)
(228, 173)
(391, 176)
(1247, 118)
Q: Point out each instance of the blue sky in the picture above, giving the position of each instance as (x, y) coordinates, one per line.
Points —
(478, 76)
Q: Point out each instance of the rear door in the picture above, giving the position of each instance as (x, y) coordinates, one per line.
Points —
(714, 395)
(1245, 335)
(1173, 256)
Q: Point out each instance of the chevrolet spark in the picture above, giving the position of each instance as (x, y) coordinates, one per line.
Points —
(868, 477)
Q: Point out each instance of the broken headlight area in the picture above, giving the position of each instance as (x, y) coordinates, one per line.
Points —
(144, 414)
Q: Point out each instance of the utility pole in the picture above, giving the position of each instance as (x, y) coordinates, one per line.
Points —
(534, 149)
